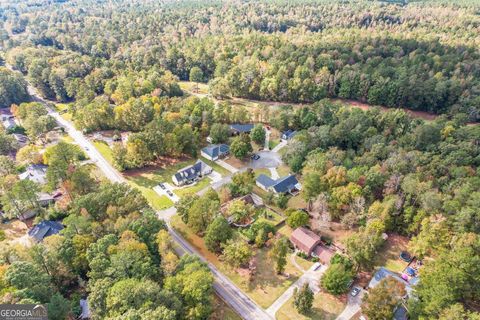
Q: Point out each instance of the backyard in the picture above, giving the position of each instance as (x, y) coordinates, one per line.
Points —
(388, 256)
(265, 286)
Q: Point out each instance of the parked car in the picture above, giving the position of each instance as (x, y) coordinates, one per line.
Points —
(162, 186)
(355, 291)
(405, 256)
(255, 156)
(170, 193)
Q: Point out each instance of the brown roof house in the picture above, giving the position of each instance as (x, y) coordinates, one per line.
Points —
(309, 242)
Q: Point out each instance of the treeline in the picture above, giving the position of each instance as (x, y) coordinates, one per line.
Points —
(384, 172)
(299, 51)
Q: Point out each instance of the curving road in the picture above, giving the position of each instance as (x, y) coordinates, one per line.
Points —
(230, 293)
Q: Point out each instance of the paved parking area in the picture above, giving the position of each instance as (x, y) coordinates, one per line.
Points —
(215, 176)
(163, 192)
(268, 159)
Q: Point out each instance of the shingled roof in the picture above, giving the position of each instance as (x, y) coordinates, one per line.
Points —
(304, 240)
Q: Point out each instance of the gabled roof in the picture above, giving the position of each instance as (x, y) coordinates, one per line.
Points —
(191, 172)
(285, 184)
(214, 150)
(383, 273)
(241, 127)
(265, 181)
(45, 229)
(36, 173)
(304, 239)
(289, 134)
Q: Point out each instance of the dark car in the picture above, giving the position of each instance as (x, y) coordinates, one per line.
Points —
(170, 193)
(355, 291)
(255, 156)
(405, 256)
(162, 186)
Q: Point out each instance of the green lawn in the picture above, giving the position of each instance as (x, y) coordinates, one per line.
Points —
(264, 171)
(325, 307)
(273, 143)
(264, 287)
(62, 108)
(104, 150)
(200, 185)
(191, 87)
(143, 182)
(272, 217)
(224, 172)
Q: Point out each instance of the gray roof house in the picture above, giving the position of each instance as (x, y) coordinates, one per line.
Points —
(191, 173)
(215, 151)
(238, 128)
(289, 134)
(384, 273)
(45, 229)
(287, 184)
(36, 173)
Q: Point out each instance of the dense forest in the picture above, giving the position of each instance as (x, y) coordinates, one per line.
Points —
(422, 56)
(117, 66)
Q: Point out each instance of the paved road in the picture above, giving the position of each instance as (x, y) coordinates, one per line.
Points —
(353, 306)
(232, 295)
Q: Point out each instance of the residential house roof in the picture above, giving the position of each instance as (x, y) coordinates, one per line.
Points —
(286, 184)
(36, 173)
(192, 172)
(265, 180)
(324, 254)
(304, 239)
(241, 128)
(289, 134)
(45, 229)
(383, 273)
(215, 150)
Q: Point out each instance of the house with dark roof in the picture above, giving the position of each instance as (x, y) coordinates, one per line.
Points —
(215, 151)
(237, 128)
(191, 173)
(36, 173)
(287, 184)
(289, 134)
(45, 229)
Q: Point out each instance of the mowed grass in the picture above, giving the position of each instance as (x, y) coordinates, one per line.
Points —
(325, 307)
(264, 288)
(389, 254)
(200, 185)
(224, 172)
(62, 108)
(191, 87)
(143, 182)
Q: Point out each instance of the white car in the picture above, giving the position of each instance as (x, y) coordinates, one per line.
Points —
(355, 291)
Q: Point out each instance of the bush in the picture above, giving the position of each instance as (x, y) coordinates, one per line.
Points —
(302, 254)
(281, 201)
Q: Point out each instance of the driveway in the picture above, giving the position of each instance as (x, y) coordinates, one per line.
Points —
(163, 192)
(215, 176)
(311, 276)
(352, 307)
(279, 146)
(268, 159)
(227, 166)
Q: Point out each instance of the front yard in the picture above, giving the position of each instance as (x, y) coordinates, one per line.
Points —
(265, 286)
(325, 307)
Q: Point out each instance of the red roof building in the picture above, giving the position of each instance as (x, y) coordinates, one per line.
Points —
(305, 240)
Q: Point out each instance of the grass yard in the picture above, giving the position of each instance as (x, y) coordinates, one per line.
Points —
(325, 307)
(104, 150)
(305, 264)
(191, 87)
(286, 231)
(283, 170)
(224, 172)
(273, 143)
(297, 202)
(266, 286)
(62, 108)
(222, 311)
(273, 217)
(388, 256)
(200, 185)
(264, 171)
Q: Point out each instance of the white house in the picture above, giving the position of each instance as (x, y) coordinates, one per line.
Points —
(191, 173)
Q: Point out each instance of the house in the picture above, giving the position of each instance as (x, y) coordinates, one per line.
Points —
(8, 121)
(383, 273)
(215, 151)
(191, 173)
(22, 139)
(305, 240)
(287, 184)
(36, 173)
(323, 253)
(236, 129)
(45, 229)
(289, 134)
